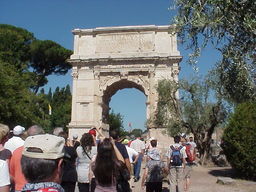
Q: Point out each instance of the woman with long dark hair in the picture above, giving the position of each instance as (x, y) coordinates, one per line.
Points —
(85, 152)
(108, 169)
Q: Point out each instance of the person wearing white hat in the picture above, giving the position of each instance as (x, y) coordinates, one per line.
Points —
(16, 141)
(42, 161)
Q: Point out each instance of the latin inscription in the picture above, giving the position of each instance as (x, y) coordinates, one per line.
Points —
(124, 43)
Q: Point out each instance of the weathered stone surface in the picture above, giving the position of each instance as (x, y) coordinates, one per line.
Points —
(225, 180)
(108, 59)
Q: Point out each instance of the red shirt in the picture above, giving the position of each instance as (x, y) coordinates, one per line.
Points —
(15, 169)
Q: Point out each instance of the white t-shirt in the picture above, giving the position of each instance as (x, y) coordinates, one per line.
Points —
(4, 173)
(193, 145)
(131, 153)
(138, 145)
(14, 143)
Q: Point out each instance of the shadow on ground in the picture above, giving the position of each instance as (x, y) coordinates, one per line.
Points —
(227, 172)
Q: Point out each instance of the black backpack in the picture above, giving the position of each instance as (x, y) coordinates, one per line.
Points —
(156, 174)
(176, 159)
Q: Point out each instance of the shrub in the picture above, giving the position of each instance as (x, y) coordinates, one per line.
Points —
(239, 140)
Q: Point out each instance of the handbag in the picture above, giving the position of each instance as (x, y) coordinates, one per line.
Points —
(123, 177)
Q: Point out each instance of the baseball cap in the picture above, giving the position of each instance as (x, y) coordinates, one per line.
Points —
(44, 147)
(18, 130)
(92, 132)
(125, 141)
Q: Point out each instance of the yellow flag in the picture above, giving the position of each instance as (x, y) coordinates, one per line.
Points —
(50, 109)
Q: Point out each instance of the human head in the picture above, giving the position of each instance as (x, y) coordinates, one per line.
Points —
(191, 139)
(64, 135)
(4, 131)
(57, 130)
(35, 130)
(86, 141)
(42, 158)
(92, 132)
(153, 143)
(114, 134)
(106, 161)
(75, 136)
(18, 130)
(177, 139)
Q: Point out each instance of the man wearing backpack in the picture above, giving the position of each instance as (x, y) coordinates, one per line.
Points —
(176, 161)
(190, 152)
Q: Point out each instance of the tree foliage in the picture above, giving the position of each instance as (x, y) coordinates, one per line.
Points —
(48, 57)
(115, 122)
(193, 112)
(61, 107)
(18, 104)
(239, 140)
(136, 132)
(230, 26)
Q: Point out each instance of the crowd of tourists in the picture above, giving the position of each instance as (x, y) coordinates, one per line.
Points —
(31, 160)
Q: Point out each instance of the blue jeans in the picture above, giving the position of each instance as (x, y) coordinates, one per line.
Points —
(137, 167)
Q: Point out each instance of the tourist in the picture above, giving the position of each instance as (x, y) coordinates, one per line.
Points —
(69, 177)
(148, 144)
(153, 146)
(85, 153)
(138, 146)
(16, 141)
(18, 178)
(122, 149)
(176, 161)
(154, 172)
(93, 133)
(133, 155)
(57, 131)
(190, 152)
(193, 145)
(4, 177)
(108, 169)
(75, 143)
(41, 163)
(5, 154)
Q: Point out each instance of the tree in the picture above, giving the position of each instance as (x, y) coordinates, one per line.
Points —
(239, 140)
(115, 122)
(18, 104)
(206, 21)
(48, 57)
(192, 113)
(61, 107)
(14, 47)
(136, 132)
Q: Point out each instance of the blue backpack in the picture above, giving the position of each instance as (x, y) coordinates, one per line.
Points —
(176, 159)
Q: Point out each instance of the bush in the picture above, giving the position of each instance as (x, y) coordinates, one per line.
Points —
(239, 140)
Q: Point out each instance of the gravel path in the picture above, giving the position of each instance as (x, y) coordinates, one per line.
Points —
(204, 180)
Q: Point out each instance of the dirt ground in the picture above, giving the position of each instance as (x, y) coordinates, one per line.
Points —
(204, 180)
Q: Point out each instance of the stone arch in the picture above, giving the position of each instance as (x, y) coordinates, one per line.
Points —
(115, 86)
(112, 58)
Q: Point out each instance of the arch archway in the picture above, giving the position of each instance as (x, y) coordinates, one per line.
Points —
(112, 58)
(112, 89)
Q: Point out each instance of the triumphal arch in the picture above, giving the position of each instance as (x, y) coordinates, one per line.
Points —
(108, 59)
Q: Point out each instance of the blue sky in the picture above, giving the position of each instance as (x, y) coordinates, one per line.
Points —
(55, 19)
